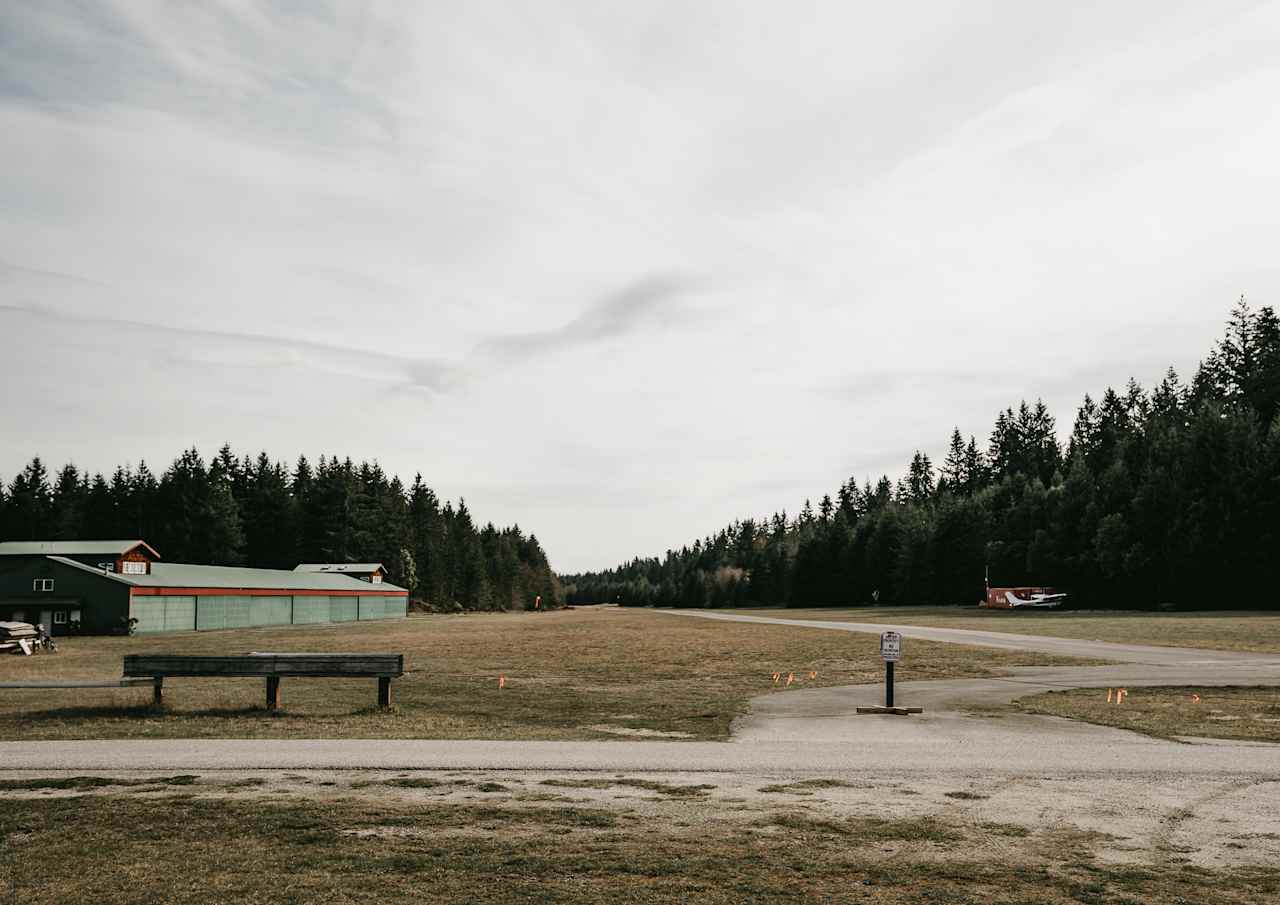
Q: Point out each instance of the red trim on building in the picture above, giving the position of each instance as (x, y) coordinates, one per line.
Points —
(141, 545)
(263, 592)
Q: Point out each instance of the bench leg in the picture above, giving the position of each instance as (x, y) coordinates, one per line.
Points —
(157, 691)
(273, 692)
(384, 692)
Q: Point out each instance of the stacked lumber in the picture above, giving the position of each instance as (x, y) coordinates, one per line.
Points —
(18, 637)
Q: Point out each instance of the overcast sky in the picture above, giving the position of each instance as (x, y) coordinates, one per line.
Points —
(621, 272)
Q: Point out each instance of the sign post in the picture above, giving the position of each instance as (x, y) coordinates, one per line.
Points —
(890, 653)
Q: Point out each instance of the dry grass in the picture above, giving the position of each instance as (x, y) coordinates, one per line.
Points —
(181, 850)
(63, 783)
(1168, 712)
(1242, 631)
(568, 673)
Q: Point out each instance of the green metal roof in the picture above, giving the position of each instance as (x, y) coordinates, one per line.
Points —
(71, 547)
(184, 575)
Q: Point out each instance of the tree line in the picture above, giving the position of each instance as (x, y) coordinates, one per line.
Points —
(1161, 496)
(261, 513)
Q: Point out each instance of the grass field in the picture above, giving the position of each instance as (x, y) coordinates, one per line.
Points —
(1242, 631)
(248, 841)
(573, 674)
(1168, 712)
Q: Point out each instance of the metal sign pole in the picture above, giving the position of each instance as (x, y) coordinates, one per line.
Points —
(891, 653)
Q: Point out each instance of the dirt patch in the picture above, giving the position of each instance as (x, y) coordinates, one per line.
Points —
(637, 733)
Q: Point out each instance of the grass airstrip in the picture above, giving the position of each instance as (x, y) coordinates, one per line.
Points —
(587, 673)
(1244, 630)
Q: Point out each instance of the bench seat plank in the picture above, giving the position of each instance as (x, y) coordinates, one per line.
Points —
(262, 665)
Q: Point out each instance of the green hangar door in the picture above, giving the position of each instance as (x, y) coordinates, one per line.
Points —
(215, 611)
(382, 607)
(163, 614)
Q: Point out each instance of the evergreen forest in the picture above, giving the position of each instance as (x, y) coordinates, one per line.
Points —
(1168, 496)
(261, 513)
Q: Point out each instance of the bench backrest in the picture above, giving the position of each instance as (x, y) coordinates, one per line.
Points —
(320, 665)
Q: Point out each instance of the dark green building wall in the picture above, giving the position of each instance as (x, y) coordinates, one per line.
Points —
(103, 602)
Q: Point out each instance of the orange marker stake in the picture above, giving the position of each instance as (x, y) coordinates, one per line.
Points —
(776, 677)
(812, 674)
(502, 681)
(1108, 695)
(1195, 699)
(1120, 695)
(791, 677)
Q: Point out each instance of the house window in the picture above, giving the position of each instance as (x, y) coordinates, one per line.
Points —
(135, 568)
(42, 584)
(375, 578)
(75, 617)
(60, 617)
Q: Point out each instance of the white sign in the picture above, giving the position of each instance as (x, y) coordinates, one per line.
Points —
(891, 647)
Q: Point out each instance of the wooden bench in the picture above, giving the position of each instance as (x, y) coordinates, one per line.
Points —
(271, 666)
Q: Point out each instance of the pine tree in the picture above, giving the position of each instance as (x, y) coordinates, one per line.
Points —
(1237, 355)
(29, 509)
(975, 468)
(69, 495)
(919, 482)
(953, 466)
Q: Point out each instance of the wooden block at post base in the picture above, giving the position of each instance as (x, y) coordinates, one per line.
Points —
(897, 711)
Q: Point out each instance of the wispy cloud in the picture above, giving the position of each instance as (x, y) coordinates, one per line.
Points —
(647, 302)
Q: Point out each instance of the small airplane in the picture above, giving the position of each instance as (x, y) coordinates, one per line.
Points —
(1034, 599)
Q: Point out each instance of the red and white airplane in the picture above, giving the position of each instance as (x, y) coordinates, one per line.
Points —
(1035, 599)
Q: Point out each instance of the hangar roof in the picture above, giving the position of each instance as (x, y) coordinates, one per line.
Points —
(73, 547)
(184, 575)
